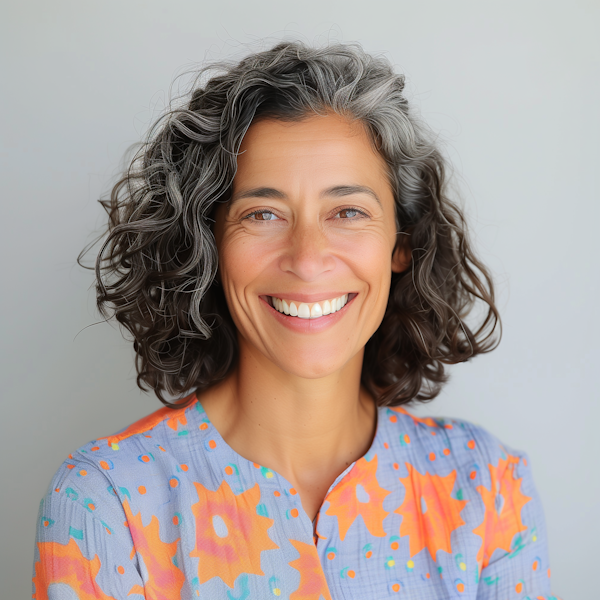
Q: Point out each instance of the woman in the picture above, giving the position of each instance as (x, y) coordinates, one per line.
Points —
(284, 249)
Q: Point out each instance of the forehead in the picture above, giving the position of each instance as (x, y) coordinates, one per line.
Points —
(314, 146)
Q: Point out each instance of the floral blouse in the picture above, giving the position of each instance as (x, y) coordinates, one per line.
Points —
(166, 510)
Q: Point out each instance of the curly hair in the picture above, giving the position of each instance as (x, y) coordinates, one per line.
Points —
(156, 270)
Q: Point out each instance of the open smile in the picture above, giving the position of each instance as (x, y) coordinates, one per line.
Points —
(309, 310)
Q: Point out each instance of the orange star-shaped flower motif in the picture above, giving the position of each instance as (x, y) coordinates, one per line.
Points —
(230, 535)
(503, 504)
(359, 493)
(313, 584)
(65, 563)
(164, 578)
(429, 513)
(173, 416)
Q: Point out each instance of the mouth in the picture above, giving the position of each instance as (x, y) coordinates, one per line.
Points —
(309, 310)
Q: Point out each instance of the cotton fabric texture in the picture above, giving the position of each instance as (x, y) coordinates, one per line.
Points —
(436, 509)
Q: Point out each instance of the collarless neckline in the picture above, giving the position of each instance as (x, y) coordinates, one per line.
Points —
(375, 442)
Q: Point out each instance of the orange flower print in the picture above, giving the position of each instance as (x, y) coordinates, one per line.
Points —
(359, 493)
(429, 513)
(313, 585)
(503, 504)
(171, 415)
(65, 563)
(423, 420)
(230, 534)
(164, 578)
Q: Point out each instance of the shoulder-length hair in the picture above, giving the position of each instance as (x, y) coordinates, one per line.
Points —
(156, 270)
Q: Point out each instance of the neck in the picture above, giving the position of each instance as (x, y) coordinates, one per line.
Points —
(308, 430)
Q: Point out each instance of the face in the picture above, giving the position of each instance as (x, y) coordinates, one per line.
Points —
(306, 244)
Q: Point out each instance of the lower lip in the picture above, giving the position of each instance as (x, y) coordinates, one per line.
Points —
(309, 325)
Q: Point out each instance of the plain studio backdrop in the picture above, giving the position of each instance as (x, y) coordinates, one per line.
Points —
(513, 90)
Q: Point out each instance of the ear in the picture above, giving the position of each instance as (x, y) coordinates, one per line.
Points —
(401, 258)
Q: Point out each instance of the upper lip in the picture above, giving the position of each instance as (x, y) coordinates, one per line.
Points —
(307, 298)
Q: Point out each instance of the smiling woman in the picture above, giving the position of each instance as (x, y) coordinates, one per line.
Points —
(284, 253)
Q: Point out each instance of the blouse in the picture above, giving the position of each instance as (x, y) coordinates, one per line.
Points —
(166, 510)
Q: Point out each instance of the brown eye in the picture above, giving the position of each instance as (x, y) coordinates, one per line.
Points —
(262, 215)
(350, 213)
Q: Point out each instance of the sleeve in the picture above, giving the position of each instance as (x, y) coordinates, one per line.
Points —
(514, 545)
(83, 549)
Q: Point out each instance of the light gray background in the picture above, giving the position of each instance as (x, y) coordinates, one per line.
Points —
(513, 89)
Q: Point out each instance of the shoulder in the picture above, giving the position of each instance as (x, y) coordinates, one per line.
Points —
(446, 443)
(108, 465)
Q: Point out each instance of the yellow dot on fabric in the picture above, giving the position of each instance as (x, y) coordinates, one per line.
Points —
(534, 538)
(277, 592)
(410, 564)
(391, 562)
(462, 566)
(269, 474)
(114, 446)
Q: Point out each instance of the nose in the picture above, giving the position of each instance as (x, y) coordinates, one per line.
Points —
(308, 255)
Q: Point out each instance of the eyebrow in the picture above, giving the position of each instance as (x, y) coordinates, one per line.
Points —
(337, 191)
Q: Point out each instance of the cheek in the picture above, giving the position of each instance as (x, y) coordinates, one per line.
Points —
(241, 260)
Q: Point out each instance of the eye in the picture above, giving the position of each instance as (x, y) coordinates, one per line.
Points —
(350, 214)
(262, 215)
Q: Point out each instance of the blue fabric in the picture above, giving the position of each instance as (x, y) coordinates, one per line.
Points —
(436, 509)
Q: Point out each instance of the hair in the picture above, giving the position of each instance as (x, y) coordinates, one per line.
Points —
(156, 270)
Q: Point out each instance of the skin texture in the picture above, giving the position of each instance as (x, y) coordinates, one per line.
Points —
(295, 403)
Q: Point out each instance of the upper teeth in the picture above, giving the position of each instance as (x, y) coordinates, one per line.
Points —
(309, 311)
